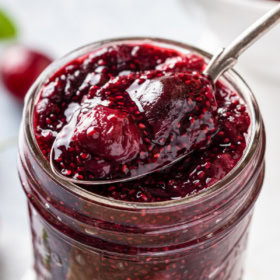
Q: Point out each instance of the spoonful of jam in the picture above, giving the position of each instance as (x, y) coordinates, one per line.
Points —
(133, 123)
(136, 124)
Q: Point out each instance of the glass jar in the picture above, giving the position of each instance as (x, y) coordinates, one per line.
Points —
(78, 235)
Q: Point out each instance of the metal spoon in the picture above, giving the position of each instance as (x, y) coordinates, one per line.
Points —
(225, 59)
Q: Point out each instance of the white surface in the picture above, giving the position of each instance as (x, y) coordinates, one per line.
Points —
(230, 17)
(60, 26)
(29, 275)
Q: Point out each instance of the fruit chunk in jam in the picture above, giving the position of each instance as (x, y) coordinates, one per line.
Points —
(127, 109)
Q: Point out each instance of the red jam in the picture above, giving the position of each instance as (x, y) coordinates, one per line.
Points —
(127, 109)
(117, 111)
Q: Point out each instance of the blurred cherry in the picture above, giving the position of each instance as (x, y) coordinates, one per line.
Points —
(19, 68)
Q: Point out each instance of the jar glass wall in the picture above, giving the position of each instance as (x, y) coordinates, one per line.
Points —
(80, 235)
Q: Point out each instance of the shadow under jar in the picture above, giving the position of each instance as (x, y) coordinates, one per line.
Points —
(79, 235)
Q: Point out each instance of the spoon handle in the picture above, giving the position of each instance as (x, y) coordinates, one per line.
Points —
(227, 57)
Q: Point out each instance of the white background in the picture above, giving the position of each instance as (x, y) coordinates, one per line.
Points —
(58, 26)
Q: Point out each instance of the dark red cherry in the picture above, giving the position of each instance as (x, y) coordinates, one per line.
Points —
(108, 133)
(20, 66)
(177, 104)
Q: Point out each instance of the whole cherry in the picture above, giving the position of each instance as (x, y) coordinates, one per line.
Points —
(19, 68)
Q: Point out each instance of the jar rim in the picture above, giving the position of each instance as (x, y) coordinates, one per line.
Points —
(251, 103)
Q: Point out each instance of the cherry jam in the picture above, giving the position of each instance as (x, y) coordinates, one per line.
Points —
(126, 109)
(147, 101)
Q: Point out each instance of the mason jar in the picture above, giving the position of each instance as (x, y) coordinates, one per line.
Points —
(79, 235)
